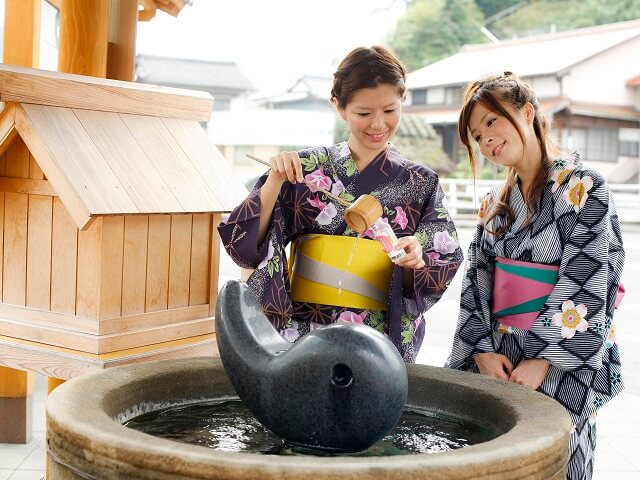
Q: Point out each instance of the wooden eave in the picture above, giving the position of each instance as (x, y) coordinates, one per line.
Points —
(105, 163)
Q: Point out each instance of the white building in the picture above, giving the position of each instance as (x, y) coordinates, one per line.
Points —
(587, 81)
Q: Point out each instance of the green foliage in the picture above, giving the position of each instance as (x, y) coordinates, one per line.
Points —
(430, 30)
(547, 15)
(491, 7)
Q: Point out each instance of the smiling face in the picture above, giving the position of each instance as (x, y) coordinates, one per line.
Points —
(373, 116)
(498, 138)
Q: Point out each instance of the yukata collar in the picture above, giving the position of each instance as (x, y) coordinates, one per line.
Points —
(391, 154)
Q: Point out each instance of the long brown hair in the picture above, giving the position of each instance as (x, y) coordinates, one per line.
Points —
(494, 93)
(367, 68)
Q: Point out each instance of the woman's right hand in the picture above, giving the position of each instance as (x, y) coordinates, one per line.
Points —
(494, 365)
(286, 166)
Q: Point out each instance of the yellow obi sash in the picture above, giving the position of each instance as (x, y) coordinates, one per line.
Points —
(343, 271)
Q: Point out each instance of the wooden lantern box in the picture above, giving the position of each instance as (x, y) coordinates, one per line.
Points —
(110, 194)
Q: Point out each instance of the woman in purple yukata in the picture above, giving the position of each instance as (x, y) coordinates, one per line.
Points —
(334, 273)
(543, 270)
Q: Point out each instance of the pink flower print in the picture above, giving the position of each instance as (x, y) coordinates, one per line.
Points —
(433, 255)
(316, 202)
(576, 194)
(325, 217)
(444, 243)
(318, 179)
(369, 234)
(571, 318)
(337, 188)
(349, 316)
(401, 218)
(265, 260)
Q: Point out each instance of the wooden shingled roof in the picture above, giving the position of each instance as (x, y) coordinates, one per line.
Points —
(112, 148)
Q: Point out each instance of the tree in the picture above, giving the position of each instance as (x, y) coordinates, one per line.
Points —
(433, 29)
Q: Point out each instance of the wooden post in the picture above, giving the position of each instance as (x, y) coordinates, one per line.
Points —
(21, 47)
(84, 31)
(22, 32)
(121, 54)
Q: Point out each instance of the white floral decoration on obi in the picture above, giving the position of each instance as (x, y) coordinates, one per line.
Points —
(571, 319)
(576, 195)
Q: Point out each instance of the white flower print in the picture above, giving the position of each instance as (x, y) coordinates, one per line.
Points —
(444, 243)
(325, 217)
(265, 260)
(571, 318)
(576, 194)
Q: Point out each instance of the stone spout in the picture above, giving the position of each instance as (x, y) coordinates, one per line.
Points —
(340, 388)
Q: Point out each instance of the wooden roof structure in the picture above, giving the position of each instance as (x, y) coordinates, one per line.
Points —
(109, 147)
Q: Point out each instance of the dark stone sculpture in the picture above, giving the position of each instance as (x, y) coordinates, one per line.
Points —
(340, 388)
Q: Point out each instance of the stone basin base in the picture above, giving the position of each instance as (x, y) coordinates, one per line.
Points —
(86, 438)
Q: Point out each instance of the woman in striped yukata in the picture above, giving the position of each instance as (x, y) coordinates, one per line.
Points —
(543, 269)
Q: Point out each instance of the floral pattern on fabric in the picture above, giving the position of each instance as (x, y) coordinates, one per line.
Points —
(571, 319)
(413, 204)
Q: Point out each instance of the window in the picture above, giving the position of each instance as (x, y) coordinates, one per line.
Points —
(453, 96)
(593, 144)
(419, 96)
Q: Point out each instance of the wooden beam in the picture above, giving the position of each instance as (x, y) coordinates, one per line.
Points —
(7, 126)
(22, 32)
(19, 84)
(148, 10)
(121, 53)
(27, 185)
(84, 31)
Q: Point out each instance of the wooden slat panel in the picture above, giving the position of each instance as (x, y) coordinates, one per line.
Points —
(133, 168)
(64, 251)
(17, 159)
(27, 85)
(200, 245)
(134, 269)
(39, 252)
(15, 248)
(209, 162)
(112, 253)
(87, 288)
(214, 263)
(153, 319)
(180, 260)
(158, 263)
(26, 185)
(185, 182)
(79, 159)
(35, 172)
(72, 200)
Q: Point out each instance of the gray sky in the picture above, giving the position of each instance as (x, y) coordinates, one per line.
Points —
(273, 41)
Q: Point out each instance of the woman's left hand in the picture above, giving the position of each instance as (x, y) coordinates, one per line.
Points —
(530, 373)
(413, 258)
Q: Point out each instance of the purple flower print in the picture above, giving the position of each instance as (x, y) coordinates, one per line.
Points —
(337, 188)
(265, 260)
(318, 179)
(325, 217)
(444, 243)
(401, 218)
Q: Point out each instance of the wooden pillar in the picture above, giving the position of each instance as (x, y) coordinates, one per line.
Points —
(16, 403)
(21, 47)
(53, 383)
(22, 32)
(84, 30)
(121, 54)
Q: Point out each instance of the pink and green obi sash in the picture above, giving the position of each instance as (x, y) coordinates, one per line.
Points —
(520, 290)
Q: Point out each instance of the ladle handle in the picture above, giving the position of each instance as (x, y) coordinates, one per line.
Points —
(342, 201)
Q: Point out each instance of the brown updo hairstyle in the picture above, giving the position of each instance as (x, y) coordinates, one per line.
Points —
(494, 93)
(367, 68)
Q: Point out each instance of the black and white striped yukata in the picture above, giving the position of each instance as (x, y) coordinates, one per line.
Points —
(576, 229)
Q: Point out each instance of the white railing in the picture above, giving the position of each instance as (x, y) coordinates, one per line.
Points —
(464, 197)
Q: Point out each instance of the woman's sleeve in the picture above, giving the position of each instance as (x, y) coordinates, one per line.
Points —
(572, 327)
(473, 331)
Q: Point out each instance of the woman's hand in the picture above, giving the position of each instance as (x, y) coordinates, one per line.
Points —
(286, 166)
(530, 373)
(494, 365)
(413, 249)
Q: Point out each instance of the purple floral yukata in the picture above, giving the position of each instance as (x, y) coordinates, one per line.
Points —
(413, 204)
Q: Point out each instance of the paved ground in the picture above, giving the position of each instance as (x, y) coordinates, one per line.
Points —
(618, 451)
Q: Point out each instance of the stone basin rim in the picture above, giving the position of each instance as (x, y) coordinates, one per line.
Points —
(537, 417)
